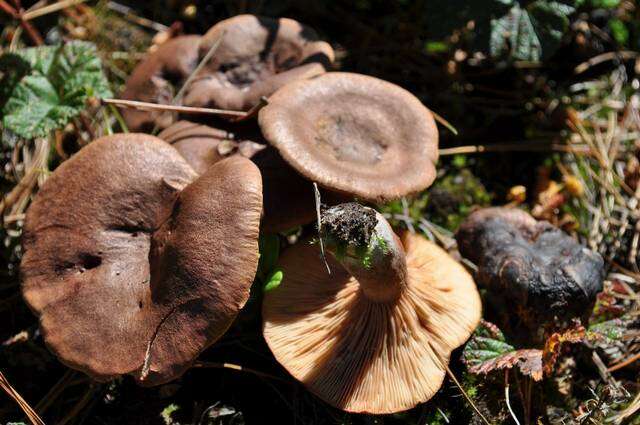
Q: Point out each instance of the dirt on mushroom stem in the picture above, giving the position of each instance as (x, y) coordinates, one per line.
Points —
(364, 243)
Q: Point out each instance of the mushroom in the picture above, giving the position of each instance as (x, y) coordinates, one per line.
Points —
(532, 267)
(376, 333)
(133, 264)
(354, 134)
(157, 79)
(254, 56)
(203, 146)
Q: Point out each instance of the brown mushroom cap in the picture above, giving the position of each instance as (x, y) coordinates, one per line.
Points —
(354, 134)
(255, 57)
(157, 79)
(202, 146)
(366, 356)
(132, 268)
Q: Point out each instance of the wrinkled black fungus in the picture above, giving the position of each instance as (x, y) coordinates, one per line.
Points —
(532, 267)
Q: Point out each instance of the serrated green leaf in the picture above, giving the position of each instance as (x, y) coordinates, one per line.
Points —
(274, 280)
(56, 87)
(487, 342)
(35, 108)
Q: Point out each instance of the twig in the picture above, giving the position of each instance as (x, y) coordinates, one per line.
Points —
(50, 9)
(623, 363)
(316, 193)
(253, 111)
(466, 396)
(127, 12)
(515, 147)
(604, 57)
(31, 414)
(445, 123)
(232, 366)
(146, 106)
(506, 396)
(178, 97)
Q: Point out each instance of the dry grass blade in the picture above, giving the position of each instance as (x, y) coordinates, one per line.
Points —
(146, 106)
(216, 365)
(515, 147)
(31, 414)
(41, 11)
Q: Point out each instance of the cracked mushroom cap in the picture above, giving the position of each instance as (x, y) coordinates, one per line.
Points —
(157, 79)
(133, 265)
(203, 146)
(531, 264)
(365, 356)
(255, 57)
(354, 134)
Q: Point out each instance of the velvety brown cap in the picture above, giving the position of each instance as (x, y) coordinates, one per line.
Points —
(354, 134)
(135, 266)
(365, 356)
(255, 57)
(157, 79)
(202, 146)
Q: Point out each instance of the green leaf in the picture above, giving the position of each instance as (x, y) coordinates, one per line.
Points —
(274, 280)
(12, 69)
(168, 412)
(532, 33)
(54, 89)
(611, 330)
(488, 351)
(35, 108)
(506, 29)
(269, 246)
(619, 31)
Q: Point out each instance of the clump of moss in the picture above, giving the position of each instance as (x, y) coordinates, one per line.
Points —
(448, 202)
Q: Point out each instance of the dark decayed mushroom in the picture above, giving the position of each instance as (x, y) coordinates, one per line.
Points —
(376, 333)
(157, 79)
(354, 134)
(203, 146)
(133, 264)
(254, 57)
(531, 267)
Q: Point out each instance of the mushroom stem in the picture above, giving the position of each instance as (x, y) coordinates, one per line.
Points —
(364, 243)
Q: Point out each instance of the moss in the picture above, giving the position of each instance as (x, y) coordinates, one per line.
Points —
(449, 200)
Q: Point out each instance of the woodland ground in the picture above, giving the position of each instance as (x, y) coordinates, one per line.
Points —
(553, 131)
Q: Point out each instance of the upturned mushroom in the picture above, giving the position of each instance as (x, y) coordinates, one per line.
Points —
(157, 79)
(354, 134)
(376, 333)
(254, 56)
(133, 264)
(202, 146)
(530, 267)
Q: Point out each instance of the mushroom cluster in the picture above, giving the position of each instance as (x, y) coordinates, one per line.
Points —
(140, 250)
(252, 57)
(150, 261)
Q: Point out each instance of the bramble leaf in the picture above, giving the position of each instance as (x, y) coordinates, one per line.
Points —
(511, 29)
(55, 87)
(488, 351)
